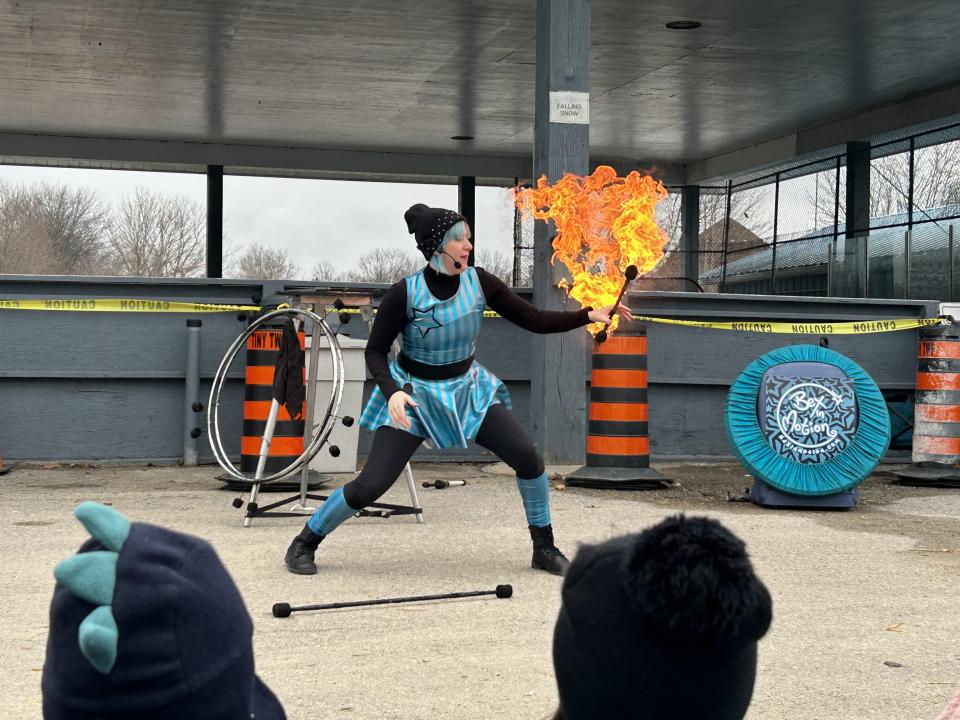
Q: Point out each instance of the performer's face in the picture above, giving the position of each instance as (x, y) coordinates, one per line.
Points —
(457, 249)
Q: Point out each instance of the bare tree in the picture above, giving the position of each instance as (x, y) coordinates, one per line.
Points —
(385, 265)
(157, 236)
(24, 246)
(51, 229)
(77, 221)
(936, 180)
(497, 263)
(229, 255)
(937, 175)
(264, 263)
(324, 270)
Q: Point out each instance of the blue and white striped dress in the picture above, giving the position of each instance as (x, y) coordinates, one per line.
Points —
(440, 332)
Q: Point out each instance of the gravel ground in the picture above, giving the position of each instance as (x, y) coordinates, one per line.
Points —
(852, 590)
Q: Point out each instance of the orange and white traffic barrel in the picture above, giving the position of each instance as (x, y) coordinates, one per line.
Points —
(263, 349)
(936, 431)
(618, 441)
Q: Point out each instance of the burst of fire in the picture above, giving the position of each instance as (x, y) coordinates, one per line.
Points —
(603, 224)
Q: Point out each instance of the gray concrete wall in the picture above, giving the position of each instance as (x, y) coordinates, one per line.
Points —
(109, 387)
(691, 369)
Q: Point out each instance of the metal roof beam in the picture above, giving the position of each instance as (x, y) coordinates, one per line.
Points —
(914, 113)
(201, 154)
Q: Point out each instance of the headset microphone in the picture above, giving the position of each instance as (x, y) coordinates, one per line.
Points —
(456, 263)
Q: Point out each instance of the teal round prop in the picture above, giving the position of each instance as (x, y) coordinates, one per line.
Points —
(816, 435)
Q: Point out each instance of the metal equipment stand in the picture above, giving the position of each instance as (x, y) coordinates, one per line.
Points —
(346, 302)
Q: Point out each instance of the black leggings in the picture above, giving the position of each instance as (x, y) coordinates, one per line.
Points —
(392, 449)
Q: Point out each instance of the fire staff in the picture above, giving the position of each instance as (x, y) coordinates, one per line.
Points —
(436, 390)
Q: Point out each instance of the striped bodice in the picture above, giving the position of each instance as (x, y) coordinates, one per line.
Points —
(439, 332)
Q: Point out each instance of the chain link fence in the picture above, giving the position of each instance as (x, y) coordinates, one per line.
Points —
(783, 232)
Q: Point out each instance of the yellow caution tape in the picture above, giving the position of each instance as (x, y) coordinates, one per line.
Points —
(117, 305)
(354, 311)
(806, 328)
(789, 328)
(799, 328)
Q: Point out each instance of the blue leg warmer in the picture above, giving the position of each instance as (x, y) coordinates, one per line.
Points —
(329, 515)
(536, 499)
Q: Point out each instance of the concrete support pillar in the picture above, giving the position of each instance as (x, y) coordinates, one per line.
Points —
(467, 206)
(853, 276)
(561, 144)
(690, 232)
(214, 221)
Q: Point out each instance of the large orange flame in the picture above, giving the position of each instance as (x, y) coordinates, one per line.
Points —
(604, 223)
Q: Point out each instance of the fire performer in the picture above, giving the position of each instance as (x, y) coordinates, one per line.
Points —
(435, 390)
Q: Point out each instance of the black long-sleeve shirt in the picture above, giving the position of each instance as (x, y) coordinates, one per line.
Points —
(392, 315)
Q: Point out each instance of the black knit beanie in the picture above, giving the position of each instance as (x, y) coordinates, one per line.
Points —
(660, 624)
(428, 225)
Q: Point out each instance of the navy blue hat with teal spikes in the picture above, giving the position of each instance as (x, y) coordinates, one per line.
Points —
(146, 623)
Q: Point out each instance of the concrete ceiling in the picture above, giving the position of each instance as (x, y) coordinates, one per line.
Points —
(380, 86)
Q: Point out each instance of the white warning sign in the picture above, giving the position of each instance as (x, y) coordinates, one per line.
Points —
(570, 107)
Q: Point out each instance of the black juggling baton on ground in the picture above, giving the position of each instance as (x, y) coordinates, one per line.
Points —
(630, 274)
(282, 610)
(442, 484)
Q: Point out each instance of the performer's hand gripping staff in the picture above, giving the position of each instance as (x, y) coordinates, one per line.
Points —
(630, 275)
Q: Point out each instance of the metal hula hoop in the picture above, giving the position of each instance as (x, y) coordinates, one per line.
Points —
(329, 419)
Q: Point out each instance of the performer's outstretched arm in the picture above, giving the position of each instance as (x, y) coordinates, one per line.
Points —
(514, 308)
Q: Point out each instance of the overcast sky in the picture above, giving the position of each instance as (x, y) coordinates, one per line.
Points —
(312, 219)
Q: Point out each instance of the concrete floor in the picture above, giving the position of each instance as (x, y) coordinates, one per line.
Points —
(851, 591)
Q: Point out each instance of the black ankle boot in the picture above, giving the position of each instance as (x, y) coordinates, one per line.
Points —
(546, 556)
(299, 557)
